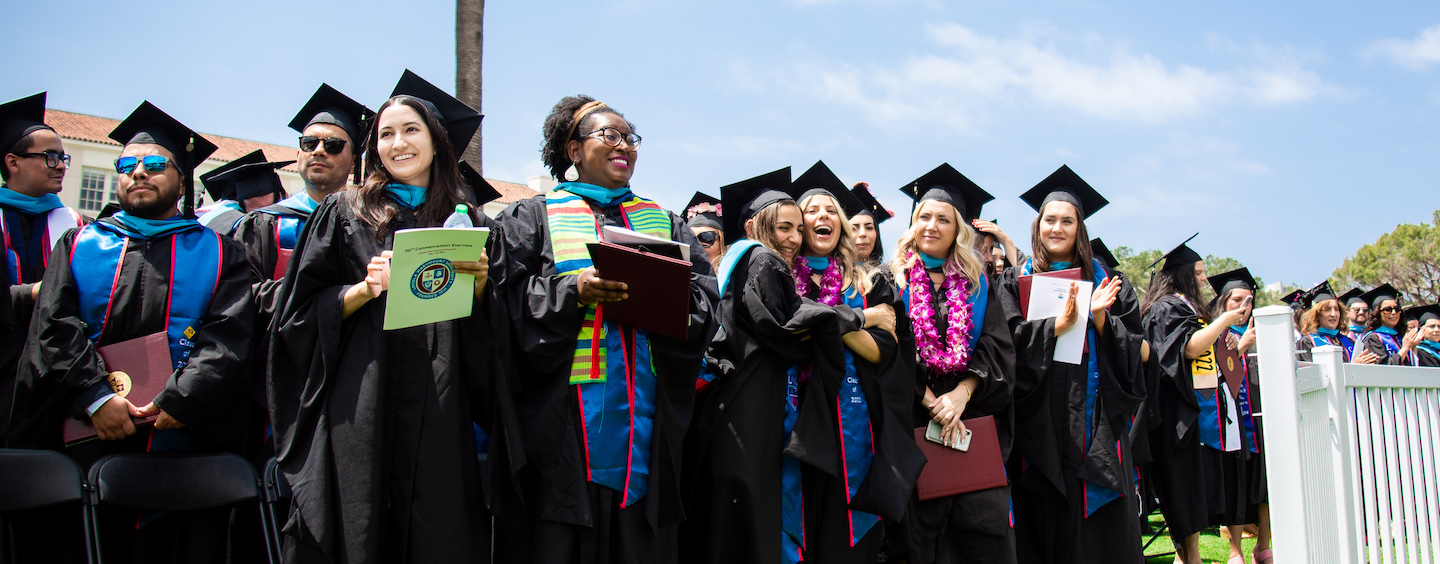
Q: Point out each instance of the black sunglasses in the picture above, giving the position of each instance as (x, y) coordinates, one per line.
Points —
(333, 145)
(707, 238)
(1390, 309)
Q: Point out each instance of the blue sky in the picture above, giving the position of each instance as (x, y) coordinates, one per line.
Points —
(1287, 133)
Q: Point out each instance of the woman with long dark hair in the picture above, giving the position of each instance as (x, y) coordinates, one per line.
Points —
(1382, 333)
(964, 368)
(866, 214)
(603, 407)
(375, 429)
(1072, 466)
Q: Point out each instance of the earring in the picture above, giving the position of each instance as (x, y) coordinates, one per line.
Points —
(571, 174)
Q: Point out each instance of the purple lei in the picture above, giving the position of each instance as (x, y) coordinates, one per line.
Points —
(831, 286)
(938, 357)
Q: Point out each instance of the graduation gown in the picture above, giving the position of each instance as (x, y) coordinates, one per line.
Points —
(1428, 356)
(975, 526)
(1053, 470)
(1387, 347)
(374, 429)
(734, 450)
(567, 516)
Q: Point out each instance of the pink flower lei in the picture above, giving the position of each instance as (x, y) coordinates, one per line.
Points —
(939, 357)
(832, 284)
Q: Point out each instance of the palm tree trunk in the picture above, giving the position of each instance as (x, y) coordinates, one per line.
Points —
(469, 46)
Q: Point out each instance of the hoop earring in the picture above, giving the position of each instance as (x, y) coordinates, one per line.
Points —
(571, 174)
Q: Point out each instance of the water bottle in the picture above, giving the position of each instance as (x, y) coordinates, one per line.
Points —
(461, 217)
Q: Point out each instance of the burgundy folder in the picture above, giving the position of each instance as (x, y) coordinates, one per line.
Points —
(139, 369)
(659, 291)
(1024, 281)
(282, 259)
(950, 472)
(1231, 369)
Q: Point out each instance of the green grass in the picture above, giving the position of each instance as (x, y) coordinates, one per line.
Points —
(1212, 547)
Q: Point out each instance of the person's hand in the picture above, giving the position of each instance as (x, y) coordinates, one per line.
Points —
(1231, 317)
(35, 291)
(479, 268)
(112, 420)
(882, 316)
(594, 289)
(165, 421)
(1247, 341)
(947, 409)
(1412, 338)
(986, 226)
(1365, 357)
(1103, 296)
(1072, 312)
(377, 275)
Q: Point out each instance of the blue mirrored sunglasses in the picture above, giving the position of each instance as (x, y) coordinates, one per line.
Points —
(153, 163)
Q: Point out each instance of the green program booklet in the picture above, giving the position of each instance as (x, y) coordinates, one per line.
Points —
(424, 287)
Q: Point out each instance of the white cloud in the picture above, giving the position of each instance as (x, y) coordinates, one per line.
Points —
(1417, 53)
(968, 75)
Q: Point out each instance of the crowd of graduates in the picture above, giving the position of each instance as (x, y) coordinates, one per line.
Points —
(787, 425)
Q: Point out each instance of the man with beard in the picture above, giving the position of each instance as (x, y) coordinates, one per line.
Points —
(144, 271)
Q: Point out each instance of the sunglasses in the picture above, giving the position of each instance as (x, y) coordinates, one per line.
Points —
(707, 238)
(52, 158)
(333, 145)
(153, 163)
(1390, 309)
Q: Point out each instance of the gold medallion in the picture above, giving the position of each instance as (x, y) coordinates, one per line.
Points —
(120, 383)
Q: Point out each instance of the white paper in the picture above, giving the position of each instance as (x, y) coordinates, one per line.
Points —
(621, 235)
(1047, 299)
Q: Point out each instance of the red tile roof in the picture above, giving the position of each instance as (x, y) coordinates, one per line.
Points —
(95, 129)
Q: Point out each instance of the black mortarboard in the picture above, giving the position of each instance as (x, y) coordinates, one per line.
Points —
(1379, 294)
(1226, 281)
(868, 204)
(821, 180)
(1294, 298)
(484, 191)
(19, 118)
(1348, 298)
(1102, 252)
(246, 177)
(328, 105)
(1179, 256)
(461, 121)
(1319, 293)
(703, 211)
(1066, 186)
(750, 196)
(1424, 313)
(947, 185)
(148, 124)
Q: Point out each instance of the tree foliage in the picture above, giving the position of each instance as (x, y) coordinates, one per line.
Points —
(1408, 258)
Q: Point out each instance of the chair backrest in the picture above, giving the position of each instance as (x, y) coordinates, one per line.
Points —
(277, 488)
(174, 482)
(31, 479)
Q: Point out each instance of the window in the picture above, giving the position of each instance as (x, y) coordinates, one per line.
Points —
(93, 194)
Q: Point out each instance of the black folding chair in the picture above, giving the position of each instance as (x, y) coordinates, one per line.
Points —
(172, 483)
(276, 495)
(37, 479)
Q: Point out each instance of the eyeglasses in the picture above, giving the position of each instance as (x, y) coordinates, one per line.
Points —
(1390, 309)
(613, 137)
(707, 238)
(153, 163)
(52, 158)
(1359, 310)
(333, 145)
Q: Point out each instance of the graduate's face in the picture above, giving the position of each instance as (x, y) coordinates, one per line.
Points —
(1389, 313)
(323, 171)
(935, 228)
(599, 163)
(1329, 314)
(1200, 274)
(863, 226)
(1236, 298)
(1431, 330)
(1359, 313)
(788, 222)
(403, 141)
(146, 194)
(715, 249)
(32, 175)
(822, 226)
(1058, 224)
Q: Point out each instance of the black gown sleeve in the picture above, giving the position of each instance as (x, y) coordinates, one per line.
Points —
(1169, 325)
(256, 233)
(993, 359)
(546, 307)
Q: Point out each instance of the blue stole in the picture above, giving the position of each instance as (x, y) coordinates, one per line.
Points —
(732, 257)
(1431, 347)
(792, 497)
(1211, 423)
(288, 226)
(1323, 336)
(406, 195)
(858, 450)
(605, 197)
(1388, 337)
(23, 253)
(220, 208)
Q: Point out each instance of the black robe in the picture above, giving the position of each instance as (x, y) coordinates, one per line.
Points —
(374, 429)
(1427, 360)
(1373, 344)
(1050, 464)
(975, 526)
(564, 517)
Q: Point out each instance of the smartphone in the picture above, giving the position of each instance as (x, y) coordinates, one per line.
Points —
(1248, 299)
(935, 434)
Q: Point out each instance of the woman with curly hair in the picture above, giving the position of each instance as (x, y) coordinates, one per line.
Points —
(603, 407)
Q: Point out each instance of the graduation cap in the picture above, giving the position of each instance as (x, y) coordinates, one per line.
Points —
(750, 196)
(1294, 299)
(1227, 281)
(703, 211)
(1066, 186)
(243, 178)
(19, 118)
(947, 185)
(1424, 313)
(1179, 256)
(868, 204)
(328, 105)
(149, 125)
(1380, 294)
(1319, 293)
(1102, 252)
(461, 121)
(484, 191)
(1349, 298)
(820, 180)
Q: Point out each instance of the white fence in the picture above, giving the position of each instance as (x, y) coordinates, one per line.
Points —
(1352, 452)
